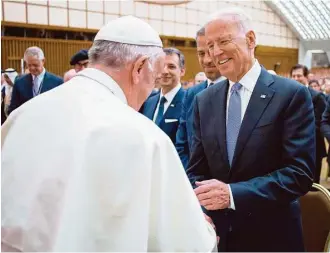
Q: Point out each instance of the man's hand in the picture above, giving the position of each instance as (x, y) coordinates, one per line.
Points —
(213, 194)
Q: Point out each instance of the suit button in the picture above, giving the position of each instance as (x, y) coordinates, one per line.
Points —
(230, 228)
(249, 214)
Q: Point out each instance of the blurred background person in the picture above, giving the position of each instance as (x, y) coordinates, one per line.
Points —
(299, 73)
(10, 76)
(36, 82)
(200, 77)
(80, 60)
(310, 77)
(314, 84)
(69, 74)
(326, 83)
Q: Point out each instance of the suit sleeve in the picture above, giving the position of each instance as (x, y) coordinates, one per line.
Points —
(325, 123)
(295, 178)
(181, 143)
(320, 105)
(15, 101)
(198, 168)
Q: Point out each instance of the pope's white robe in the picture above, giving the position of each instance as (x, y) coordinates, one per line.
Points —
(82, 171)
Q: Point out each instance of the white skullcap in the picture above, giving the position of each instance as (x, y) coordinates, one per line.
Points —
(129, 30)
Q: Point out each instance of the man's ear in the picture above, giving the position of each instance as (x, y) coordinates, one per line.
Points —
(251, 39)
(182, 72)
(139, 65)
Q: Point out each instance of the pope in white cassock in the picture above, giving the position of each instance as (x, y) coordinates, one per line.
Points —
(83, 171)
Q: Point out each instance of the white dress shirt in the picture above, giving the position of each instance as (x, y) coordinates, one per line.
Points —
(248, 83)
(40, 79)
(169, 98)
(219, 79)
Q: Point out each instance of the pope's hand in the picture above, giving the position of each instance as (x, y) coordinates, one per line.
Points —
(209, 220)
(213, 194)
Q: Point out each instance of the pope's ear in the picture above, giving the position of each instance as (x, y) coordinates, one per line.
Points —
(139, 66)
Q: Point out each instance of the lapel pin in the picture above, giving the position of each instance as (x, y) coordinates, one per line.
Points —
(172, 105)
(263, 96)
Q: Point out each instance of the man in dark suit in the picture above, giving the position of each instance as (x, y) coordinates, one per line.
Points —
(36, 82)
(164, 108)
(253, 151)
(300, 73)
(325, 125)
(185, 131)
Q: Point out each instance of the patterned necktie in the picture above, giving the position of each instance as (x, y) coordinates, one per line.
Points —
(160, 113)
(234, 120)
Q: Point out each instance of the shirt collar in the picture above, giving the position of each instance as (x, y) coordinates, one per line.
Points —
(250, 79)
(171, 94)
(40, 76)
(105, 80)
(219, 79)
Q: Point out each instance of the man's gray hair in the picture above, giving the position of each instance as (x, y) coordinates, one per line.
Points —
(200, 32)
(117, 55)
(238, 15)
(34, 52)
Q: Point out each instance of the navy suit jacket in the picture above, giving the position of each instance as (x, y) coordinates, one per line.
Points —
(325, 124)
(22, 91)
(172, 112)
(185, 131)
(272, 166)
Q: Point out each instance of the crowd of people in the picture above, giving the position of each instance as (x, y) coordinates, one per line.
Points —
(121, 157)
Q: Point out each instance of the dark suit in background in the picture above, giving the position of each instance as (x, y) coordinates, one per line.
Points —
(272, 166)
(153, 93)
(325, 125)
(173, 112)
(185, 131)
(22, 91)
(319, 103)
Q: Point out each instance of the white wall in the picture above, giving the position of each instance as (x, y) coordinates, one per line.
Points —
(181, 20)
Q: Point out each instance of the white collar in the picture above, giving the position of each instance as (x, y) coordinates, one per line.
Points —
(219, 79)
(250, 79)
(105, 80)
(40, 76)
(171, 94)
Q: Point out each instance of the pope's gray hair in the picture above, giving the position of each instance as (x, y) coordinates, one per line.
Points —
(34, 52)
(237, 15)
(117, 55)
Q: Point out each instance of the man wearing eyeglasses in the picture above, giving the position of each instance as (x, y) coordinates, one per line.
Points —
(80, 60)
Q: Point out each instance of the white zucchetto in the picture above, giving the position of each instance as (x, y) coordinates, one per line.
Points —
(129, 30)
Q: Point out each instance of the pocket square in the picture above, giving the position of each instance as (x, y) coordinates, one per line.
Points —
(170, 120)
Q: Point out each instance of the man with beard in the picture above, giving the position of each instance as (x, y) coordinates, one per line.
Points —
(165, 107)
(185, 132)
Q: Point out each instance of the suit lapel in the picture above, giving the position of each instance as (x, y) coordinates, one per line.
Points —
(29, 90)
(260, 98)
(219, 107)
(151, 105)
(45, 84)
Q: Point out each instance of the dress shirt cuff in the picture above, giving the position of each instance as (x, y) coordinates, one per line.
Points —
(232, 204)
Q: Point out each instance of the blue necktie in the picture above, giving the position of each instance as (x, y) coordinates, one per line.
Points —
(234, 120)
(160, 113)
